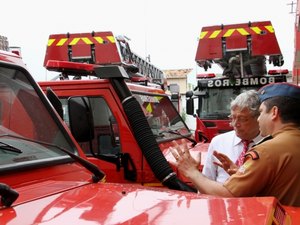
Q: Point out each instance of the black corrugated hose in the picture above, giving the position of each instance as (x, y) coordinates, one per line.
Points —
(150, 148)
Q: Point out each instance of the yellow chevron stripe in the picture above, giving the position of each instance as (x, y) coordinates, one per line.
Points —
(62, 42)
(228, 33)
(111, 39)
(270, 28)
(203, 34)
(149, 108)
(257, 30)
(242, 31)
(87, 40)
(215, 34)
(50, 42)
(74, 41)
(99, 40)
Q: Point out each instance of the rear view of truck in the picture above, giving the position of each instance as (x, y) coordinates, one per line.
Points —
(242, 51)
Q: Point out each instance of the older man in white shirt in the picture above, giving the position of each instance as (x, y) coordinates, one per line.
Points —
(244, 113)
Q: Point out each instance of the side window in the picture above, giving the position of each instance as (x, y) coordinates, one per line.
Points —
(106, 129)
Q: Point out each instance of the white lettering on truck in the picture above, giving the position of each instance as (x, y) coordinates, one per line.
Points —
(252, 81)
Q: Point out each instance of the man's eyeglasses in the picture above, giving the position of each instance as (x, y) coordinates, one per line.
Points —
(239, 119)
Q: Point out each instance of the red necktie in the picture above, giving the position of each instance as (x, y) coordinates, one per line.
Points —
(240, 160)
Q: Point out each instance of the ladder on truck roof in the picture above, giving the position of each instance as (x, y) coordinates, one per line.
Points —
(145, 68)
(4, 43)
(100, 48)
(4, 46)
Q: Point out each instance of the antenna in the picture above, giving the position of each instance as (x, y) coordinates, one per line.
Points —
(292, 7)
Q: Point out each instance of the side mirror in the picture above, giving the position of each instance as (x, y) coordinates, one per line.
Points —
(80, 119)
(190, 106)
(189, 94)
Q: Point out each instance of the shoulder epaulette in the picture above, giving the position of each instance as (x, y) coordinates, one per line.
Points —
(253, 154)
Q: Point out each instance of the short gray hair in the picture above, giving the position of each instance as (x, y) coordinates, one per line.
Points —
(247, 100)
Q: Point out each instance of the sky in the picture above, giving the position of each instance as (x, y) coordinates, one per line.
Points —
(167, 30)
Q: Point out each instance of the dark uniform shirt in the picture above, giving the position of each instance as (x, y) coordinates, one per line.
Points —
(271, 168)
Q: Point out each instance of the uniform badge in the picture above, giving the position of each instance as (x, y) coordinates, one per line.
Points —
(253, 154)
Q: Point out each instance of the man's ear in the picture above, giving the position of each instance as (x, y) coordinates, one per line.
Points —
(275, 112)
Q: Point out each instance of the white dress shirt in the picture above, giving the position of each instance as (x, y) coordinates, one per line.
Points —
(228, 144)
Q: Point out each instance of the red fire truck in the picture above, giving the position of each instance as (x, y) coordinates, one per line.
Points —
(117, 139)
(46, 178)
(242, 51)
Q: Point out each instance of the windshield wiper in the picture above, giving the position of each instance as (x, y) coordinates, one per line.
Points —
(179, 134)
(98, 174)
(9, 148)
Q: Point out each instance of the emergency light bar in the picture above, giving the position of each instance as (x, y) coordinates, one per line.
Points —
(276, 72)
(15, 50)
(205, 75)
(84, 69)
(139, 79)
(70, 67)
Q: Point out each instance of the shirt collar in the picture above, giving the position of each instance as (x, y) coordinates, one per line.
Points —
(257, 139)
(237, 140)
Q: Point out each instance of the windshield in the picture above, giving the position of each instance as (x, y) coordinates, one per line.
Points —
(28, 133)
(216, 104)
(162, 116)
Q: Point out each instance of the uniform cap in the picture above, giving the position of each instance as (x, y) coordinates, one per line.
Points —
(279, 89)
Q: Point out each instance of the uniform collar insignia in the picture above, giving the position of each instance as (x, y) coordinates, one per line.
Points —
(269, 137)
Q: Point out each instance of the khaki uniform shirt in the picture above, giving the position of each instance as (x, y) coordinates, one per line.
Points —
(271, 168)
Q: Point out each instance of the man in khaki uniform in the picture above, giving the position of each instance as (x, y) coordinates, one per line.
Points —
(271, 168)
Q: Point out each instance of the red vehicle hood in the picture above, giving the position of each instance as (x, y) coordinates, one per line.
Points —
(105, 203)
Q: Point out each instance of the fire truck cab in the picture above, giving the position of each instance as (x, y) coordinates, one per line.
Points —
(242, 51)
(115, 137)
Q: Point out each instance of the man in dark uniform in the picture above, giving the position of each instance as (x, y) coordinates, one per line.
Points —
(272, 167)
